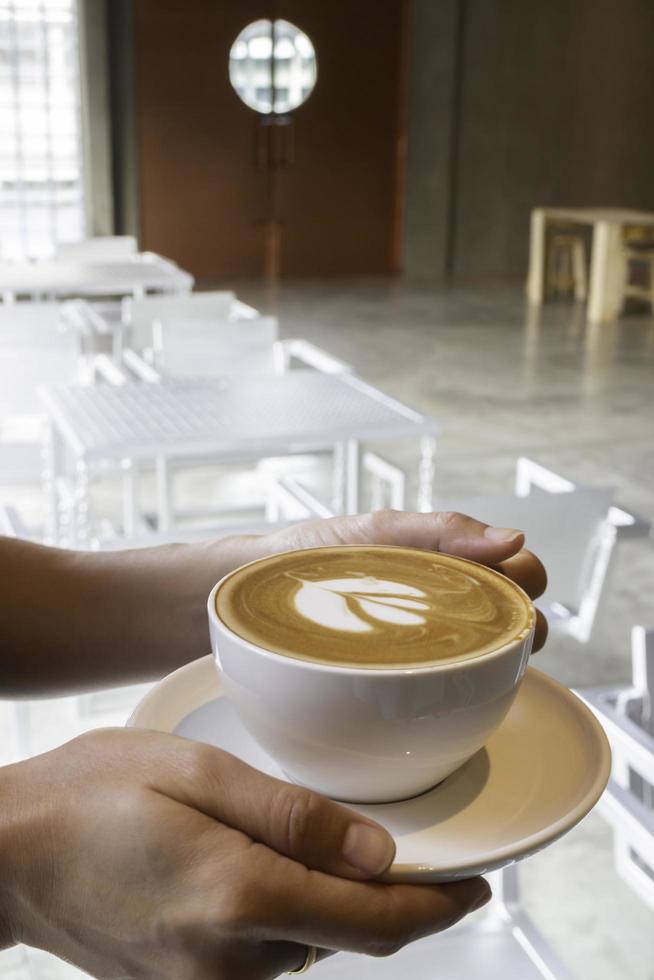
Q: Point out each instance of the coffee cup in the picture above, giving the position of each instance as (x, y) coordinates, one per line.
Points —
(370, 673)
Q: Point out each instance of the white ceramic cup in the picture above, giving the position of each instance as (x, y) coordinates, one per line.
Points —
(365, 735)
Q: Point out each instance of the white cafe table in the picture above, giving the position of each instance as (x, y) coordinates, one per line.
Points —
(145, 272)
(606, 266)
(220, 419)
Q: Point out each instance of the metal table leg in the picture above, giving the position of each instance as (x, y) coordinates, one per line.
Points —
(386, 481)
(338, 478)
(52, 471)
(352, 502)
(80, 509)
(164, 517)
(507, 905)
(426, 473)
(129, 497)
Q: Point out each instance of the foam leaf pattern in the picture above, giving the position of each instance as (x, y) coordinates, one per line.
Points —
(349, 604)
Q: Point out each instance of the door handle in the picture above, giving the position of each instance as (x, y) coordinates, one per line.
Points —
(274, 142)
(288, 142)
(261, 145)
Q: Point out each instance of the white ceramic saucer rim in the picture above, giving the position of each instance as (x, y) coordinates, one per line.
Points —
(492, 859)
(162, 687)
(539, 840)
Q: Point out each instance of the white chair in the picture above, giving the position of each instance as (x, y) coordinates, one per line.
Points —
(211, 334)
(572, 528)
(135, 324)
(100, 323)
(35, 349)
(142, 318)
(209, 348)
(195, 333)
(291, 487)
(627, 715)
(203, 347)
(108, 248)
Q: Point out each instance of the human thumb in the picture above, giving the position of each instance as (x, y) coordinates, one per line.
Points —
(291, 820)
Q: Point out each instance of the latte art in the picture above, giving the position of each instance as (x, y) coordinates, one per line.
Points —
(372, 606)
(355, 604)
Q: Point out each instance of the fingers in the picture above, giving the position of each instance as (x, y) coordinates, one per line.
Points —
(527, 571)
(540, 633)
(291, 820)
(303, 825)
(362, 917)
(282, 957)
(452, 533)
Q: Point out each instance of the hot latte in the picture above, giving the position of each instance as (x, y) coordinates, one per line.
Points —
(373, 606)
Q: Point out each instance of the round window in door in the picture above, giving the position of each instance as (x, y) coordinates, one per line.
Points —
(272, 66)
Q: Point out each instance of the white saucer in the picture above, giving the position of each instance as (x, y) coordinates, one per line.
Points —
(539, 774)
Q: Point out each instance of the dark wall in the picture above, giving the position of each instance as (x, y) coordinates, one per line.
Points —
(431, 123)
(612, 137)
(191, 160)
(525, 103)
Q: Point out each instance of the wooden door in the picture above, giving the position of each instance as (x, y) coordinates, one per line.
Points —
(341, 199)
(204, 201)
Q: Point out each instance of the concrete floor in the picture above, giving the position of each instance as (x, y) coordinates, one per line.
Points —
(505, 381)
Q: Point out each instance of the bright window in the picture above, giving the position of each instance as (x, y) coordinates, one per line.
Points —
(41, 189)
(272, 66)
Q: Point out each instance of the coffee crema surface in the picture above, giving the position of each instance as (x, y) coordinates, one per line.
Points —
(373, 606)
